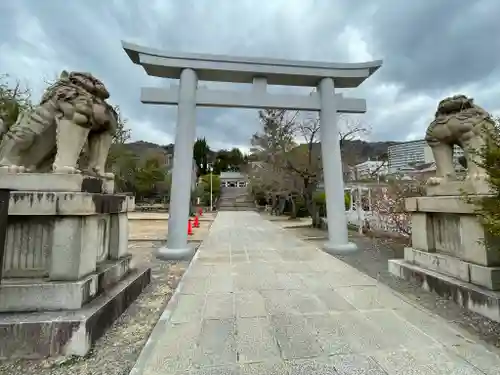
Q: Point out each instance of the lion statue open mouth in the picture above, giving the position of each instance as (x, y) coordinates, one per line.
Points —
(458, 121)
(72, 113)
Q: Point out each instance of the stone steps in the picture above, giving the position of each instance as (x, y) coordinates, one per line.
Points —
(237, 209)
(235, 199)
(236, 204)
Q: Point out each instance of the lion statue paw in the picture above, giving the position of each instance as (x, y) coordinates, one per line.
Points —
(97, 172)
(65, 169)
(433, 181)
(13, 168)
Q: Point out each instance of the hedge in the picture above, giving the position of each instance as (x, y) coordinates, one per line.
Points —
(320, 199)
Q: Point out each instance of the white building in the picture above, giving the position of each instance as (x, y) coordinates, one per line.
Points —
(405, 154)
(233, 179)
(370, 169)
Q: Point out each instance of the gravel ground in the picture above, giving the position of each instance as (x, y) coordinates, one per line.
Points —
(116, 352)
(373, 261)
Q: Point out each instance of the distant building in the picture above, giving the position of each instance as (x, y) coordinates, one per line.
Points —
(371, 169)
(422, 171)
(233, 179)
(407, 154)
(169, 160)
(402, 155)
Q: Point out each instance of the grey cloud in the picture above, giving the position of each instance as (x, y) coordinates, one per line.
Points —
(429, 45)
(430, 49)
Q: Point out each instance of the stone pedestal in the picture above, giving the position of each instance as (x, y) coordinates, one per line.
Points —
(56, 182)
(65, 259)
(451, 254)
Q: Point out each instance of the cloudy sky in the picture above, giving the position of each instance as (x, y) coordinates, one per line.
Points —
(430, 48)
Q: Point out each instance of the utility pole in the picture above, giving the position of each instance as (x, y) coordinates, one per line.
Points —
(358, 210)
(211, 188)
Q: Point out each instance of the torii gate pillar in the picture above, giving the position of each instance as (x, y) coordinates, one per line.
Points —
(338, 242)
(180, 193)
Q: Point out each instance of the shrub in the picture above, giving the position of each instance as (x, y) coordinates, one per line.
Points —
(301, 207)
(488, 208)
(319, 198)
(347, 200)
(260, 198)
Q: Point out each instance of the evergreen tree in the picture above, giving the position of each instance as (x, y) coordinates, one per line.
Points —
(201, 152)
(488, 208)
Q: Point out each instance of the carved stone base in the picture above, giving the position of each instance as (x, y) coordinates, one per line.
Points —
(28, 294)
(47, 334)
(66, 273)
(449, 225)
(483, 276)
(64, 236)
(469, 296)
(55, 182)
(451, 254)
(469, 187)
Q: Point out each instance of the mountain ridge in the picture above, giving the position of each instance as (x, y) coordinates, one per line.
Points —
(357, 151)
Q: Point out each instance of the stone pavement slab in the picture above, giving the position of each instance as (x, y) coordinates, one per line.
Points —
(257, 300)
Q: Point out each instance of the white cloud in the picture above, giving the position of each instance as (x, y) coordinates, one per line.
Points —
(354, 43)
(146, 131)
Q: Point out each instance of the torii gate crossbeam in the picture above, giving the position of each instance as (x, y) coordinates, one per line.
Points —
(191, 68)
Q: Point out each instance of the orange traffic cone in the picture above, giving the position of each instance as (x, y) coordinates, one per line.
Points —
(200, 211)
(190, 228)
(196, 222)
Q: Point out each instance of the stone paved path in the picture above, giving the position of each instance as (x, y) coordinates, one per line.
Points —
(257, 300)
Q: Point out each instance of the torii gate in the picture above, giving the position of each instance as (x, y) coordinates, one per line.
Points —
(191, 68)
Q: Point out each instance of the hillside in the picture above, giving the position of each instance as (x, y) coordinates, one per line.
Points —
(362, 151)
(143, 148)
(355, 151)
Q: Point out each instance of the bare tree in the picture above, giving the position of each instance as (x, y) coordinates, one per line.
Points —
(277, 135)
(351, 128)
(304, 163)
(377, 171)
(269, 147)
(14, 99)
(289, 145)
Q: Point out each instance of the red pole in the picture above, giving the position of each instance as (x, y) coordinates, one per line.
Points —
(190, 228)
(196, 222)
(200, 211)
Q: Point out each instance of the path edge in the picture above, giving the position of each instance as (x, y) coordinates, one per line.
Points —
(160, 328)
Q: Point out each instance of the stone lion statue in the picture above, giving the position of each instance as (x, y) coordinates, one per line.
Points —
(458, 121)
(72, 116)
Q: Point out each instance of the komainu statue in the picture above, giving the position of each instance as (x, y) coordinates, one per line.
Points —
(72, 115)
(458, 121)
